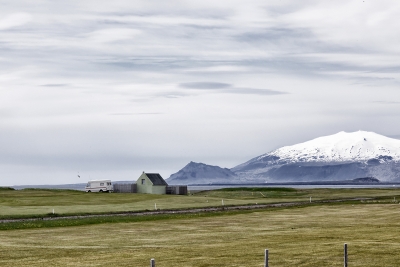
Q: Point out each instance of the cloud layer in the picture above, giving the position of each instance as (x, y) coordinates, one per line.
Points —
(111, 90)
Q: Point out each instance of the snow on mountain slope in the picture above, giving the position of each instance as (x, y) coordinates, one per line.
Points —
(339, 157)
(342, 156)
(341, 147)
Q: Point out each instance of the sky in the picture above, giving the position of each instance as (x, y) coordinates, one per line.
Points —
(108, 89)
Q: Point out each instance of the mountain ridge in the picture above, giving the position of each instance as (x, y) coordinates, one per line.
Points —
(200, 172)
(341, 156)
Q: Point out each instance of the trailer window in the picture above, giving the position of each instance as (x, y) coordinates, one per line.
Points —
(101, 184)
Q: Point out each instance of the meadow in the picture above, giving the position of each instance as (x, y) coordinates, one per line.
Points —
(308, 235)
(40, 202)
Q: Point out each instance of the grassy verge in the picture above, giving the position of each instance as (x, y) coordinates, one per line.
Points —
(98, 220)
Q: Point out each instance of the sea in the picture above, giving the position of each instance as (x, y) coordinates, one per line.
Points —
(81, 187)
(298, 186)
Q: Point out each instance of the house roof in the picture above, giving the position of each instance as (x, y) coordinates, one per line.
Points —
(156, 179)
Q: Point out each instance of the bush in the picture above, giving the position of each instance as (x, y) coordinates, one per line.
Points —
(6, 188)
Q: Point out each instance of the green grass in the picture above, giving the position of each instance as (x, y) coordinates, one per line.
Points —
(269, 195)
(311, 236)
(68, 222)
(39, 202)
(6, 188)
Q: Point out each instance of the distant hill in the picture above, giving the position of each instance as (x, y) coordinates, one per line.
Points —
(366, 180)
(201, 173)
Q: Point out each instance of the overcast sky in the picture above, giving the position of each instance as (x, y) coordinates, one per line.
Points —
(108, 89)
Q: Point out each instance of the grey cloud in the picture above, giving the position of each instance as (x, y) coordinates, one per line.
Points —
(254, 91)
(135, 114)
(387, 102)
(273, 34)
(391, 69)
(202, 14)
(170, 94)
(228, 88)
(147, 63)
(287, 8)
(203, 27)
(5, 113)
(173, 96)
(294, 41)
(55, 85)
(205, 85)
(374, 81)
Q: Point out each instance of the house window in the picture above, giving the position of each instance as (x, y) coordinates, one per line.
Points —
(143, 181)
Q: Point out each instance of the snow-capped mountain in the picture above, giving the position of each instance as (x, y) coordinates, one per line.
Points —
(341, 147)
(341, 156)
(338, 157)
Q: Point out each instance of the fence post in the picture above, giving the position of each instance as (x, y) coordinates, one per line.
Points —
(266, 258)
(345, 255)
(152, 263)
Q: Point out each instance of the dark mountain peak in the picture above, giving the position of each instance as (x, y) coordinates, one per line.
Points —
(366, 180)
(201, 173)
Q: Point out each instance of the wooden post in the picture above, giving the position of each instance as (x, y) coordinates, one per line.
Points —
(152, 263)
(345, 255)
(266, 258)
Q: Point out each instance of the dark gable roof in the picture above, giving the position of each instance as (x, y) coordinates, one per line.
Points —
(156, 179)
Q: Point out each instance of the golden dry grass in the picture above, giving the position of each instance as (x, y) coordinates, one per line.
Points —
(308, 236)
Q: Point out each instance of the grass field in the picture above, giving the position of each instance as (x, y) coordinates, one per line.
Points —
(311, 235)
(35, 202)
(308, 236)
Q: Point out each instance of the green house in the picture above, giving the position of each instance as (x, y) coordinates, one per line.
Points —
(151, 183)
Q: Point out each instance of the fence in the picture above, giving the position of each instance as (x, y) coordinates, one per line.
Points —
(125, 188)
(177, 190)
(132, 188)
(266, 258)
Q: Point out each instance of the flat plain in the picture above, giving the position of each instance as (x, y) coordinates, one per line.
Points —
(38, 202)
(309, 235)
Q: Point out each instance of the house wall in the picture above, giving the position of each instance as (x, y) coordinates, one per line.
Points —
(148, 187)
(159, 189)
(145, 188)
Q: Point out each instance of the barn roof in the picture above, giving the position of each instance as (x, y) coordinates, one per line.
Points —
(156, 179)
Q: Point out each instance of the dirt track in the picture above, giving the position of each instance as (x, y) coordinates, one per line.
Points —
(185, 211)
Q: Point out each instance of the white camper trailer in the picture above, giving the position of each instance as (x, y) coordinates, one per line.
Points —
(99, 186)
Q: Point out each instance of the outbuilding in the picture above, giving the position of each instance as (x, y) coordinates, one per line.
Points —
(151, 183)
